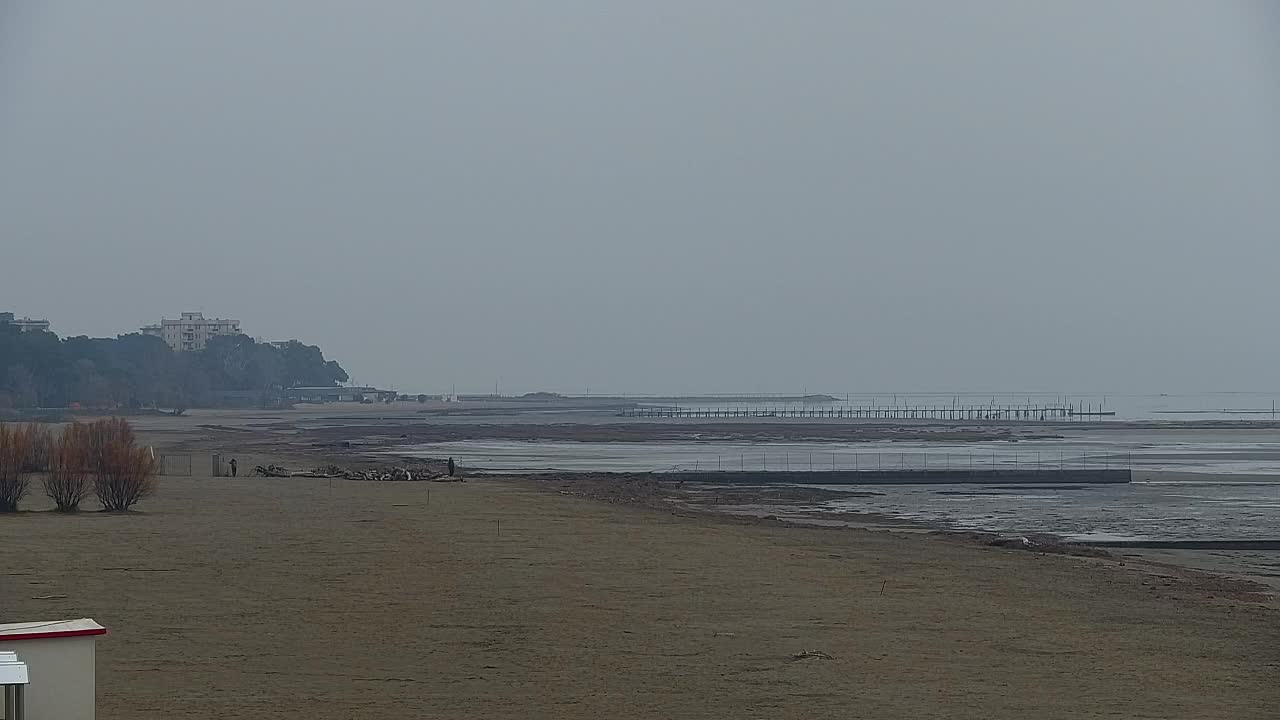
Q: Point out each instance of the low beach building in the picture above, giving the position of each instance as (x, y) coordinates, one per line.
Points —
(338, 394)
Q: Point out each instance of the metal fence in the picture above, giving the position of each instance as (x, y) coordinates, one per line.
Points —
(175, 464)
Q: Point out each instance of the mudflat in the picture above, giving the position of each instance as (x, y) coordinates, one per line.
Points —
(309, 598)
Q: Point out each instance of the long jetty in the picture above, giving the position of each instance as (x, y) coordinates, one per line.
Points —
(1026, 476)
(871, 412)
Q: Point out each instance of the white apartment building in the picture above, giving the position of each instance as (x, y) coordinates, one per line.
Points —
(23, 324)
(192, 331)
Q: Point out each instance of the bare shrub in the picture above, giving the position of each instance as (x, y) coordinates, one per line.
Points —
(100, 435)
(14, 480)
(39, 447)
(124, 473)
(67, 482)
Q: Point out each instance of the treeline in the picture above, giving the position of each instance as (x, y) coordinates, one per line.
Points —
(102, 457)
(40, 370)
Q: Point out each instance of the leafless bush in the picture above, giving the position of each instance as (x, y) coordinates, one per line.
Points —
(14, 480)
(124, 473)
(101, 435)
(39, 447)
(67, 482)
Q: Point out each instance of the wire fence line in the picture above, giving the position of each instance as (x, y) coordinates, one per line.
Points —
(874, 412)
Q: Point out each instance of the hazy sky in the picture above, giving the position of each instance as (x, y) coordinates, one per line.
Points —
(661, 196)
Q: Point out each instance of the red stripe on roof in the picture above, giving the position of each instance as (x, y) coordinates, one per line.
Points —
(55, 634)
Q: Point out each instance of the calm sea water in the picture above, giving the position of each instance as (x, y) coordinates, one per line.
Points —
(1235, 493)
(1202, 451)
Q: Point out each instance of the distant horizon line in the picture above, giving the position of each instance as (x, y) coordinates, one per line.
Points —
(806, 393)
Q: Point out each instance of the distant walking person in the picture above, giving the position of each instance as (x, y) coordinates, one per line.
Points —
(233, 467)
(452, 467)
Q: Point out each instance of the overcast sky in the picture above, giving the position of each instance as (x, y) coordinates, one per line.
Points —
(657, 196)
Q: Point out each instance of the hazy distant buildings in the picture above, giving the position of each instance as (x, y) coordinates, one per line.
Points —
(192, 331)
(25, 324)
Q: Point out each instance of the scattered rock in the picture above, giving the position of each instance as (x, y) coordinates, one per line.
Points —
(810, 655)
(394, 474)
(272, 470)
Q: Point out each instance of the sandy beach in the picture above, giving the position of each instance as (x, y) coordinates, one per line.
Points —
(302, 598)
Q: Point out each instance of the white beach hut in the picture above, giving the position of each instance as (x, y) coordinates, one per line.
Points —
(13, 684)
(61, 664)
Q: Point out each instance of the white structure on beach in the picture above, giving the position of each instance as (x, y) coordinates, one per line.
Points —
(61, 659)
(192, 331)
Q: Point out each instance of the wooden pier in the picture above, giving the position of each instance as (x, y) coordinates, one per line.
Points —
(873, 412)
(940, 476)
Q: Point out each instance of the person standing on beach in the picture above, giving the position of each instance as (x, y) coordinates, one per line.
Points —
(233, 467)
(451, 467)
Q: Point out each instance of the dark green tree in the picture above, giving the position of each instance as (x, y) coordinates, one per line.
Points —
(39, 369)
